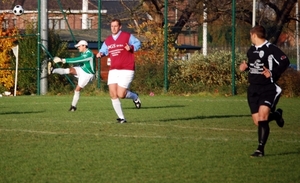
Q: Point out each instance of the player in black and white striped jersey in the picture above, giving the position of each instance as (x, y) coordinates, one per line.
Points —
(266, 63)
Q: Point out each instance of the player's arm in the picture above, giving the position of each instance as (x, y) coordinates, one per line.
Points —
(85, 57)
(243, 66)
(134, 43)
(103, 51)
(282, 62)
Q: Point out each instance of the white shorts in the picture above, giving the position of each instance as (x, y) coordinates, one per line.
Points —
(83, 77)
(121, 77)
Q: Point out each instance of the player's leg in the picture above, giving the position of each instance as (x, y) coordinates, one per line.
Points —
(255, 118)
(263, 130)
(253, 102)
(253, 98)
(61, 71)
(277, 114)
(135, 98)
(278, 117)
(75, 99)
(83, 80)
(75, 71)
(267, 99)
(113, 77)
(124, 82)
(116, 103)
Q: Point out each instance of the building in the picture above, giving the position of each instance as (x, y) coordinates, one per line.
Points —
(82, 19)
(79, 15)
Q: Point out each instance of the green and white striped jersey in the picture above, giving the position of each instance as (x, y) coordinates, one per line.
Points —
(85, 61)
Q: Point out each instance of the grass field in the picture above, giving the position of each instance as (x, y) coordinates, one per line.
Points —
(170, 139)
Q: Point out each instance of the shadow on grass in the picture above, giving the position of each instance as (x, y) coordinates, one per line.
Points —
(18, 112)
(285, 153)
(204, 117)
(156, 107)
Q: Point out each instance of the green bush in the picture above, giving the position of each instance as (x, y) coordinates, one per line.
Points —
(199, 74)
(289, 83)
(149, 78)
(27, 77)
(2, 89)
(212, 73)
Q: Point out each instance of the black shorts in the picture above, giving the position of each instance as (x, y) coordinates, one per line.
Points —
(267, 95)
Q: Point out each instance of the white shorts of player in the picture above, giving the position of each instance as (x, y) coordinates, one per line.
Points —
(83, 77)
(121, 77)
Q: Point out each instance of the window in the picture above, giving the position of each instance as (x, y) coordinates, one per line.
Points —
(14, 22)
(34, 22)
(56, 23)
(89, 23)
(5, 24)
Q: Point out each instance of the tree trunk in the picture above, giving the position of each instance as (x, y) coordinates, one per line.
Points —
(282, 17)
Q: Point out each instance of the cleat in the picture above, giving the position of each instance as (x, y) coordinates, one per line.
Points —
(50, 68)
(137, 102)
(119, 120)
(258, 153)
(280, 121)
(72, 108)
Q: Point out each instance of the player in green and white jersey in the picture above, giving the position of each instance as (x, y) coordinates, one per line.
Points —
(84, 71)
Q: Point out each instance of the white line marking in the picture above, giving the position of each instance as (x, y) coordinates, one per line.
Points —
(206, 128)
(135, 136)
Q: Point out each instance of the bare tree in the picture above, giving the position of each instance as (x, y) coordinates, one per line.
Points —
(282, 17)
(192, 10)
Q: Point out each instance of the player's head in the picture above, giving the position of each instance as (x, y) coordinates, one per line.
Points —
(81, 45)
(115, 26)
(257, 32)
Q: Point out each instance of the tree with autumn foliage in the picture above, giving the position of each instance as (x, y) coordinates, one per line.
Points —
(7, 39)
(150, 60)
(275, 15)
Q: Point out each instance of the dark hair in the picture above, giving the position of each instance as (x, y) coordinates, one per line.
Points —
(259, 30)
(116, 20)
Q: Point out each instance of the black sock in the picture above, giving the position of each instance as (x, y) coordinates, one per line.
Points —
(263, 134)
(273, 116)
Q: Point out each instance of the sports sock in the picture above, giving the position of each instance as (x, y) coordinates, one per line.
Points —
(61, 71)
(273, 116)
(118, 107)
(75, 98)
(263, 134)
(131, 95)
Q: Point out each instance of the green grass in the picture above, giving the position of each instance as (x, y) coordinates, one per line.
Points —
(170, 139)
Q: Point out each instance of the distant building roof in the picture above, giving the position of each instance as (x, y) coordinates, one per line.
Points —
(88, 34)
(91, 45)
(188, 47)
(115, 9)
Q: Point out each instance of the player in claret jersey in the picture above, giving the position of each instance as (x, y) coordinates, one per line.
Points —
(266, 63)
(120, 47)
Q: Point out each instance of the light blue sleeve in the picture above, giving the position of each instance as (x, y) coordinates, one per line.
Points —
(134, 42)
(104, 49)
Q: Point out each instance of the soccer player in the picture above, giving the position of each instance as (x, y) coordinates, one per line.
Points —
(120, 47)
(84, 72)
(266, 63)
